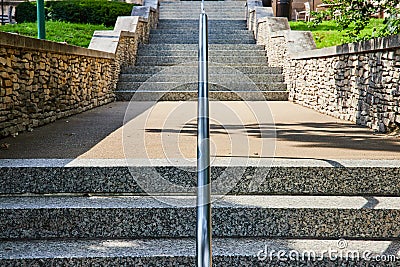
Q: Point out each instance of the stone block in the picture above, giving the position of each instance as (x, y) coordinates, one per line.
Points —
(126, 23)
(141, 11)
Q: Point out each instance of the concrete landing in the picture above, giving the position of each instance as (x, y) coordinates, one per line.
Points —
(168, 130)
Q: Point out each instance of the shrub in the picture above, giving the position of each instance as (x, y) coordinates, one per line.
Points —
(25, 12)
(87, 11)
(58, 31)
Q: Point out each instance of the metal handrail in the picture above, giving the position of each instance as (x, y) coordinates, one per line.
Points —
(203, 246)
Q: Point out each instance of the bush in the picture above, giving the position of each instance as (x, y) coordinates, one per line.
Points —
(87, 11)
(25, 12)
(58, 31)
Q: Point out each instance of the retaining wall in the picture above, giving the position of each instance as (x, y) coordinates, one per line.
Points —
(41, 81)
(358, 82)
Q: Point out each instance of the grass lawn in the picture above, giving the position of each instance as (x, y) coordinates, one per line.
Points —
(327, 33)
(72, 33)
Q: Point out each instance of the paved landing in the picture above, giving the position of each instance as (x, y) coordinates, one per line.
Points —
(168, 130)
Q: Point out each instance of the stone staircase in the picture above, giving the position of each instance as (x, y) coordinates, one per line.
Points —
(101, 216)
(166, 69)
(109, 214)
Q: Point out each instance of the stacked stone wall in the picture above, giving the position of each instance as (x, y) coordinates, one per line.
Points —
(43, 81)
(357, 82)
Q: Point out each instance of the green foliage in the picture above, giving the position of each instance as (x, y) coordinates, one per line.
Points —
(76, 11)
(354, 16)
(25, 12)
(87, 11)
(71, 33)
(391, 22)
(328, 33)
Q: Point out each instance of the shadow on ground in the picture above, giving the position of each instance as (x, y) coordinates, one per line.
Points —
(70, 137)
(305, 134)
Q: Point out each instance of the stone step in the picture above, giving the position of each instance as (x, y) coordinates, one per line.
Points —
(210, 18)
(194, 13)
(214, 69)
(155, 96)
(194, 23)
(212, 35)
(175, 216)
(210, 31)
(195, 27)
(196, 10)
(222, 79)
(194, 47)
(195, 41)
(182, 252)
(209, 4)
(233, 12)
(197, 6)
(194, 53)
(173, 60)
(161, 38)
(228, 11)
(301, 177)
(228, 86)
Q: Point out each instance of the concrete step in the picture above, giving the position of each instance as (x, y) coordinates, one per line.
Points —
(222, 79)
(173, 60)
(194, 23)
(192, 69)
(194, 53)
(195, 26)
(211, 2)
(194, 47)
(161, 38)
(176, 95)
(196, 6)
(195, 41)
(228, 86)
(169, 13)
(196, 10)
(182, 252)
(206, 3)
(175, 216)
(301, 177)
(190, 22)
(231, 12)
(211, 12)
(210, 18)
(210, 31)
(194, 35)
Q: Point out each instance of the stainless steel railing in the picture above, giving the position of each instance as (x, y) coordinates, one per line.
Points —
(204, 249)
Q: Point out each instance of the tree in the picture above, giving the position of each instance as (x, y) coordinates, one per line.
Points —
(353, 16)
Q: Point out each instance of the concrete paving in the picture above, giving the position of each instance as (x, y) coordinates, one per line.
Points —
(167, 130)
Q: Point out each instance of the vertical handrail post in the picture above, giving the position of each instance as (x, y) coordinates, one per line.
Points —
(41, 20)
(204, 230)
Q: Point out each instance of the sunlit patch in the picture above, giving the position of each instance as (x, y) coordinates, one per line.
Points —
(105, 245)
